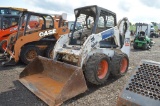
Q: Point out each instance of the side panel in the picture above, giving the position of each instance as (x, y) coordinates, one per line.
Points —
(123, 26)
(126, 46)
(64, 39)
(5, 33)
(92, 45)
(27, 39)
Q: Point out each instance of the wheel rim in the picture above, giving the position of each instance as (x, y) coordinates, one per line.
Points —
(4, 45)
(102, 69)
(31, 55)
(124, 64)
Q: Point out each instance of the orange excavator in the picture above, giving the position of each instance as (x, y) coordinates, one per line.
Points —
(36, 35)
(9, 17)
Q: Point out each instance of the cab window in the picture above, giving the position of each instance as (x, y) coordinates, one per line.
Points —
(49, 22)
(34, 24)
(110, 21)
(4, 11)
(101, 22)
(38, 23)
(9, 22)
(105, 21)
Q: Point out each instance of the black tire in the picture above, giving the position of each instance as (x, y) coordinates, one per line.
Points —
(135, 46)
(150, 44)
(151, 35)
(145, 46)
(92, 66)
(2, 44)
(116, 62)
(48, 51)
(24, 53)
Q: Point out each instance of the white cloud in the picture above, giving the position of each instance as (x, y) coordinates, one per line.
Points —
(151, 3)
(136, 11)
(140, 12)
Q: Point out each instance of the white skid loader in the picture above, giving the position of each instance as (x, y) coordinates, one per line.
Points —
(100, 48)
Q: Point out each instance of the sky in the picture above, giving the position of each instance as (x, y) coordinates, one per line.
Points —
(144, 11)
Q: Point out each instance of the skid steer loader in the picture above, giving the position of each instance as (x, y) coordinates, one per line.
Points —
(9, 17)
(101, 47)
(36, 35)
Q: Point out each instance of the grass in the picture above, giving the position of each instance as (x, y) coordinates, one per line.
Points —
(132, 28)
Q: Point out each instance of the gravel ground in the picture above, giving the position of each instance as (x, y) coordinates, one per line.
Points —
(13, 93)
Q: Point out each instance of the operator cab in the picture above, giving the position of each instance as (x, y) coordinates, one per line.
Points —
(9, 10)
(142, 33)
(9, 17)
(94, 20)
(141, 36)
(77, 27)
(31, 22)
(8, 21)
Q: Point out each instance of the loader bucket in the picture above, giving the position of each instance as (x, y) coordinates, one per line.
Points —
(52, 81)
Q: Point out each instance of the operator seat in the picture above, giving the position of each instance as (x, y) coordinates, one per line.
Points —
(141, 36)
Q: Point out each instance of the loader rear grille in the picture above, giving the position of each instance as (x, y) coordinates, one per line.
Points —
(146, 81)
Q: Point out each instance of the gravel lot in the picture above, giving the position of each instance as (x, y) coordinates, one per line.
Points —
(13, 93)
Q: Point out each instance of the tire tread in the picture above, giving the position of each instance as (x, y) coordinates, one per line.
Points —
(92, 66)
